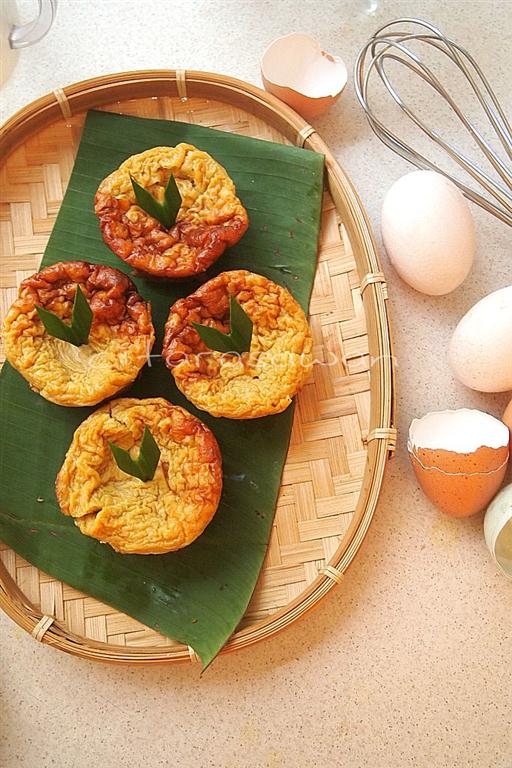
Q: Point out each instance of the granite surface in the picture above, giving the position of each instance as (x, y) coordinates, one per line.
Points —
(408, 663)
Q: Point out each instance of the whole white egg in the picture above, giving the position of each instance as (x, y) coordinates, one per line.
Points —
(480, 351)
(428, 232)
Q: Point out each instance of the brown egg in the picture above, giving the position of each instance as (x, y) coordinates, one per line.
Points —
(459, 458)
(296, 70)
(507, 416)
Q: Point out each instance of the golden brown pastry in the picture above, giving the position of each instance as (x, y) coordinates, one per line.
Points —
(210, 219)
(160, 515)
(120, 339)
(256, 383)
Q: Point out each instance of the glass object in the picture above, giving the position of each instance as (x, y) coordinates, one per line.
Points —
(14, 36)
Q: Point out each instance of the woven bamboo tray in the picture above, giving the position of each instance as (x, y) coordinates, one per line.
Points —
(343, 430)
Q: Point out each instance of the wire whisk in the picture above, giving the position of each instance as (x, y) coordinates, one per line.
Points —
(392, 44)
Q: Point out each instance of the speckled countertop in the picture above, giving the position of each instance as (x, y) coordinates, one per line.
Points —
(409, 662)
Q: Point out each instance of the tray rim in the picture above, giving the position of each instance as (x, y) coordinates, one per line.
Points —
(86, 94)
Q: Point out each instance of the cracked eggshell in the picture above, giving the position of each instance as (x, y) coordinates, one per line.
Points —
(459, 458)
(296, 70)
(428, 232)
(480, 351)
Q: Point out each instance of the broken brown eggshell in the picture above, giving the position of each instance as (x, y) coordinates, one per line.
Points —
(296, 70)
(459, 458)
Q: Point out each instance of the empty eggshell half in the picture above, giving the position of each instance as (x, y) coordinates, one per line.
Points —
(296, 70)
(480, 350)
(459, 458)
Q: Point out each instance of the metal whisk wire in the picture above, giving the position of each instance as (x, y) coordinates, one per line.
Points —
(388, 44)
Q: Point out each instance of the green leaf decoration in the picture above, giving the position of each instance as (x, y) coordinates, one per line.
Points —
(197, 595)
(81, 320)
(238, 340)
(143, 467)
(165, 212)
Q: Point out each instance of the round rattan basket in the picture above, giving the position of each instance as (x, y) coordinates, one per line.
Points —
(343, 430)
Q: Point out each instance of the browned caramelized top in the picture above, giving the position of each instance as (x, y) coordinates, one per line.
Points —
(211, 217)
(262, 380)
(112, 296)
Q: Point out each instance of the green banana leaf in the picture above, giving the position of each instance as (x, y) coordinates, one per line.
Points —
(197, 595)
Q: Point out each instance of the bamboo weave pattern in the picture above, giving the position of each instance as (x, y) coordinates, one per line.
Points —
(325, 465)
